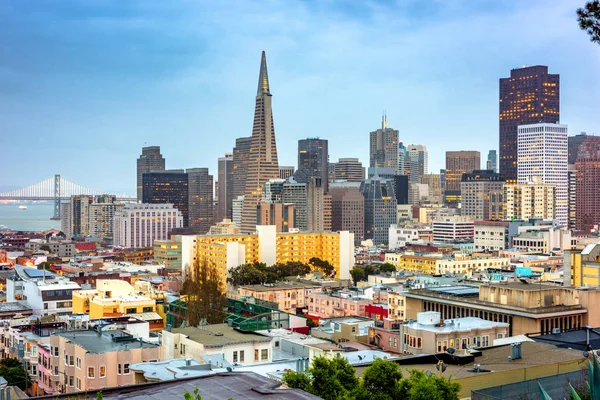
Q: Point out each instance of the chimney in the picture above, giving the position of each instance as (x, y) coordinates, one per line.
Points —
(188, 362)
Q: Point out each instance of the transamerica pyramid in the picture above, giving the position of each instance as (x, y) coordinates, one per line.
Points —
(262, 163)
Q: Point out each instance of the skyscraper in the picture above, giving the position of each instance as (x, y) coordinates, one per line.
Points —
(587, 210)
(383, 146)
(150, 160)
(457, 164)
(262, 163)
(531, 95)
(347, 169)
(418, 154)
(408, 163)
(285, 171)
(348, 209)
(313, 157)
(492, 161)
(200, 202)
(482, 195)
(574, 143)
(167, 187)
(241, 158)
(380, 208)
(225, 189)
(543, 151)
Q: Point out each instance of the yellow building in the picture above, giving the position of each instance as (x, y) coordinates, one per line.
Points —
(115, 297)
(455, 264)
(267, 246)
(582, 267)
(168, 252)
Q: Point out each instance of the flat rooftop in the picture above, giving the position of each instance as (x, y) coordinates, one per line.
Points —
(14, 306)
(218, 335)
(96, 343)
(459, 324)
(524, 286)
(279, 285)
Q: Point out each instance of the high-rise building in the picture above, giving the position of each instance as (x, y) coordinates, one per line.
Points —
(457, 164)
(79, 211)
(574, 143)
(543, 151)
(380, 208)
(401, 185)
(347, 169)
(408, 163)
(279, 214)
(481, 195)
(383, 146)
(150, 160)
(313, 158)
(225, 188)
(572, 177)
(308, 199)
(435, 187)
(348, 209)
(262, 163)
(200, 201)
(530, 95)
(236, 210)
(101, 216)
(139, 225)
(588, 184)
(492, 161)
(524, 201)
(241, 158)
(285, 171)
(418, 155)
(167, 187)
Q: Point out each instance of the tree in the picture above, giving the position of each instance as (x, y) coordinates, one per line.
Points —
(13, 372)
(358, 274)
(381, 380)
(387, 267)
(206, 298)
(589, 19)
(330, 379)
(420, 386)
(324, 266)
(251, 274)
(45, 247)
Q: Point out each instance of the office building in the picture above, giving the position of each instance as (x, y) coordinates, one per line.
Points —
(308, 199)
(492, 161)
(200, 199)
(408, 163)
(542, 151)
(380, 208)
(417, 193)
(588, 184)
(443, 180)
(279, 214)
(241, 158)
(529, 96)
(167, 187)
(525, 201)
(225, 227)
(481, 195)
(168, 253)
(347, 169)
(401, 189)
(574, 143)
(101, 216)
(572, 197)
(491, 236)
(453, 229)
(383, 147)
(150, 160)
(285, 171)
(313, 157)
(418, 155)
(139, 225)
(225, 187)
(348, 209)
(457, 164)
(236, 210)
(262, 164)
(433, 181)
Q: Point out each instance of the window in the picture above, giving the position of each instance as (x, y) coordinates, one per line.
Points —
(182, 349)
(395, 342)
(78, 364)
(118, 369)
(485, 341)
(71, 381)
(500, 336)
(91, 372)
(56, 352)
(241, 355)
(439, 346)
(265, 354)
(131, 311)
(256, 355)
(147, 309)
(71, 360)
(389, 340)
(419, 343)
(125, 369)
(353, 329)
(102, 371)
(235, 356)
(66, 359)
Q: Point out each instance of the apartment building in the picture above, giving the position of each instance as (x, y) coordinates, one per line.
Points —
(344, 329)
(168, 252)
(532, 199)
(290, 296)
(490, 235)
(139, 225)
(582, 267)
(438, 264)
(337, 304)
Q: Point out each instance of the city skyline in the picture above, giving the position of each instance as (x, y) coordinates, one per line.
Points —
(141, 85)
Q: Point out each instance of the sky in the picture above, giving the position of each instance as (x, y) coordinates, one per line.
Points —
(84, 85)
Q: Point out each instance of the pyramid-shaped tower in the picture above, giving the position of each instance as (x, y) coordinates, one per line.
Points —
(263, 164)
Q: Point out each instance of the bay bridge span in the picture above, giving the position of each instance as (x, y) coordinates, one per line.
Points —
(56, 189)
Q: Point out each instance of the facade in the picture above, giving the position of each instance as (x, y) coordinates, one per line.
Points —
(348, 209)
(582, 267)
(380, 208)
(418, 153)
(101, 216)
(139, 225)
(225, 227)
(241, 158)
(338, 304)
(457, 164)
(572, 197)
(308, 199)
(285, 171)
(435, 264)
(383, 147)
(542, 150)
(492, 161)
(167, 187)
(587, 214)
(168, 253)
(200, 199)
(481, 195)
(290, 296)
(542, 239)
(150, 160)
(236, 210)
(433, 181)
(490, 235)
(225, 192)
(533, 199)
(279, 214)
(575, 143)
(313, 157)
(452, 230)
(347, 169)
(399, 236)
(262, 163)
(344, 329)
(401, 189)
(529, 96)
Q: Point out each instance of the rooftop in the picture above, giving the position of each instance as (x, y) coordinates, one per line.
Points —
(14, 306)
(96, 343)
(294, 337)
(458, 324)
(218, 335)
(279, 285)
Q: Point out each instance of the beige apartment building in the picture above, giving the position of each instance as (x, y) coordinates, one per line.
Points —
(338, 304)
(529, 200)
(288, 295)
(90, 360)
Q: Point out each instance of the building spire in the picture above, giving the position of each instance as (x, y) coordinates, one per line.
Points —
(384, 120)
(263, 77)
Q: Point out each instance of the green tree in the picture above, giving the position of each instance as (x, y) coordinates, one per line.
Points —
(322, 265)
(381, 380)
(330, 379)
(371, 269)
(387, 267)
(13, 372)
(589, 19)
(45, 247)
(206, 297)
(251, 274)
(420, 386)
(357, 274)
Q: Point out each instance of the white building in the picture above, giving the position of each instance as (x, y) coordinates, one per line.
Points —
(490, 235)
(400, 236)
(453, 230)
(41, 290)
(543, 239)
(139, 225)
(236, 210)
(418, 153)
(543, 151)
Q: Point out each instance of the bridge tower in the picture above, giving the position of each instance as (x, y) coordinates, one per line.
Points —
(56, 197)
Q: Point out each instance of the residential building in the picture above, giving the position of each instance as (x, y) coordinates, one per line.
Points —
(383, 147)
(86, 360)
(429, 334)
(572, 197)
(347, 209)
(168, 253)
(481, 195)
(262, 163)
(200, 201)
(101, 215)
(337, 304)
(279, 214)
(167, 187)
(582, 267)
(43, 291)
(529, 96)
(150, 160)
(433, 181)
(237, 348)
(396, 306)
(437, 264)
(457, 164)
(400, 236)
(533, 199)
(344, 329)
(588, 191)
(380, 208)
(289, 295)
(453, 229)
(491, 235)
(492, 161)
(225, 227)
(542, 152)
(347, 169)
(313, 157)
(308, 198)
(76, 219)
(225, 192)
(285, 171)
(139, 225)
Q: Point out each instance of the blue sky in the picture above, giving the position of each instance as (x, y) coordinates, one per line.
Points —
(84, 84)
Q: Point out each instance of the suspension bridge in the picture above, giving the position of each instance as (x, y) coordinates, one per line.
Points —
(56, 189)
